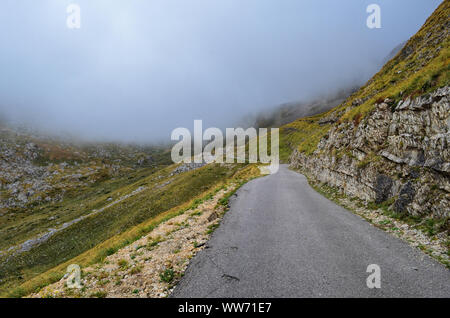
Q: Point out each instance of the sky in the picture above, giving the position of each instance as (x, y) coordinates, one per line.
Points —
(137, 69)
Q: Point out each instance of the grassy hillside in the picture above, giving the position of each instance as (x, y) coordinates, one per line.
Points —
(16, 227)
(162, 191)
(96, 257)
(420, 67)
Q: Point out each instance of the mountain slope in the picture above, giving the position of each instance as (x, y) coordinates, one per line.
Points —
(59, 199)
(388, 142)
(289, 112)
(105, 214)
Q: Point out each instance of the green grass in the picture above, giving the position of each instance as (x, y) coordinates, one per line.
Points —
(226, 198)
(99, 294)
(212, 228)
(433, 226)
(196, 213)
(413, 75)
(303, 134)
(122, 263)
(36, 281)
(135, 270)
(94, 230)
(402, 77)
(155, 242)
(167, 275)
(21, 225)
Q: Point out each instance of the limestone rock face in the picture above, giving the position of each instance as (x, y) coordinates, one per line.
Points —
(398, 154)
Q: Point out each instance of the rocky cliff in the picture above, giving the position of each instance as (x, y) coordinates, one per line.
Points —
(398, 154)
(387, 144)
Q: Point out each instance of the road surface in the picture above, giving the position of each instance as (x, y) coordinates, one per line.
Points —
(283, 239)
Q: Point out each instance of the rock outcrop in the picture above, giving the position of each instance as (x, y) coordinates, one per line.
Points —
(398, 154)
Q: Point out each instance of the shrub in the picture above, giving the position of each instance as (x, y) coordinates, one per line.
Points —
(122, 263)
(99, 294)
(135, 270)
(167, 276)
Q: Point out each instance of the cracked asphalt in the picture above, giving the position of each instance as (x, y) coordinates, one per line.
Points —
(283, 239)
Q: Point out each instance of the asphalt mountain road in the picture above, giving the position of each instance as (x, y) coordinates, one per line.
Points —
(283, 239)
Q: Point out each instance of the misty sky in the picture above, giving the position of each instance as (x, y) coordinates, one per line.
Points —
(137, 69)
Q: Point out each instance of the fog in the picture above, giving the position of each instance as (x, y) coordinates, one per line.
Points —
(137, 69)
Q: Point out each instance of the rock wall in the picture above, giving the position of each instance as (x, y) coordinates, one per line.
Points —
(398, 154)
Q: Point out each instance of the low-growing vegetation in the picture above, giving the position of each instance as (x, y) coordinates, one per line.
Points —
(167, 275)
(420, 67)
(234, 173)
(86, 234)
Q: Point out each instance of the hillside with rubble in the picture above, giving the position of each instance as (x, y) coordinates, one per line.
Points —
(70, 202)
(53, 189)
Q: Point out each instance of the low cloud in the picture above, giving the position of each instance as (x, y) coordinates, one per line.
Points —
(138, 69)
